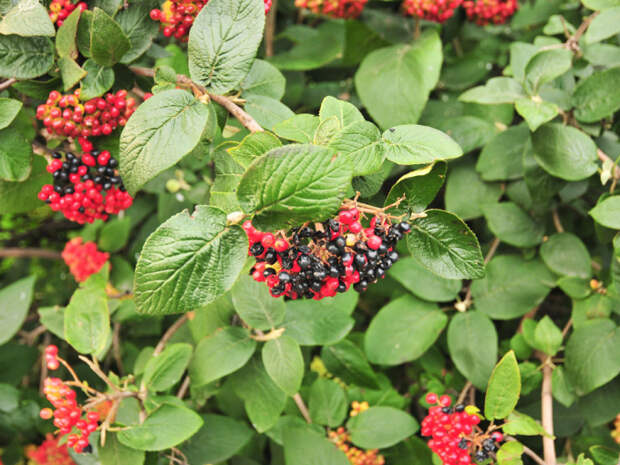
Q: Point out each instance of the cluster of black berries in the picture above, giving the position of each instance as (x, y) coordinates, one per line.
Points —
(86, 187)
(321, 259)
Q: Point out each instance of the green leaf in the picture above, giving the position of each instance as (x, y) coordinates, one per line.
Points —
(346, 361)
(114, 234)
(298, 128)
(346, 113)
(501, 158)
(466, 193)
(511, 287)
(605, 25)
(28, 18)
(510, 453)
(328, 404)
(592, 355)
(470, 132)
(413, 326)
(15, 154)
(394, 82)
(563, 390)
(512, 225)
(576, 263)
(220, 354)
(294, 184)
(267, 111)
(413, 144)
(87, 319)
(379, 427)
(504, 388)
(15, 300)
(600, 4)
(545, 66)
(70, 71)
(148, 143)
(53, 318)
(607, 212)
(264, 79)
(419, 188)
(361, 143)
(322, 322)
(536, 112)
(547, 336)
(82, 37)
(263, 399)
(424, 284)
(307, 447)
(253, 146)
(218, 439)
(188, 262)
(17, 197)
(564, 152)
(25, 57)
(327, 129)
(166, 427)
(474, 361)
(66, 35)
(165, 369)
(223, 42)
(496, 90)
(108, 42)
(597, 96)
(138, 28)
(604, 455)
(284, 363)
(116, 453)
(99, 79)
(9, 108)
(9, 398)
(255, 305)
(445, 245)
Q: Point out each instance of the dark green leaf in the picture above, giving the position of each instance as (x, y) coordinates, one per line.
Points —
(419, 188)
(15, 301)
(547, 336)
(70, 71)
(25, 57)
(255, 305)
(165, 369)
(97, 82)
(328, 403)
(306, 447)
(264, 79)
(501, 158)
(545, 66)
(413, 144)
(512, 225)
(380, 427)
(346, 361)
(424, 284)
(108, 42)
(576, 263)
(66, 35)
(17, 197)
(139, 29)
(597, 96)
(466, 193)
(116, 453)
(284, 363)
(15, 154)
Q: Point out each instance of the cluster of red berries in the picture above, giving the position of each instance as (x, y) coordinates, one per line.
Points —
(65, 115)
(431, 10)
(83, 259)
(333, 8)
(86, 187)
(319, 260)
(455, 436)
(61, 9)
(177, 16)
(484, 12)
(67, 413)
(51, 357)
(50, 452)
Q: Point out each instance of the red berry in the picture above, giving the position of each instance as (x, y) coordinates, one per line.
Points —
(431, 398)
(445, 400)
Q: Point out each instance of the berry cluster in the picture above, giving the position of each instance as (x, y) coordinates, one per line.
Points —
(490, 11)
(65, 115)
(321, 259)
(50, 452)
(356, 456)
(431, 10)
(61, 9)
(68, 414)
(86, 187)
(51, 357)
(83, 259)
(455, 436)
(333, 8)
(358, 407)
(177, 16)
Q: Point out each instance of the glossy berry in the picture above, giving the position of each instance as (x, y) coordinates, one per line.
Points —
(431, 10)
(484, 12)
(333, 8)
(50, 452)
(83, 259)
(59, 10)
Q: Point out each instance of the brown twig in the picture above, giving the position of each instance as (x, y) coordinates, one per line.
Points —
(270, 28)
(29, 253)
(168, 334)
(567, 327)
(556, 221)
(243, 117)
(464, 392)
(94, 366)
(529, 452)
(30, 337)
(184, 387)
(547, 410)
(302, 407)
(8, 83)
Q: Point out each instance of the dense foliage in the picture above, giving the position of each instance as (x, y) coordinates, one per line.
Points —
(310, 232)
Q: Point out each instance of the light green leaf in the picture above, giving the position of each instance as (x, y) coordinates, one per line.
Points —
(379, 427)
(116, 453)
(253, 146)
(501, 158)
(504, 388)
(264, 79)
(99, 79)
(70, 71)
(545, 66)
(164, 370)
(361, 143)
(223, 42)
(267, 111)
(9, 108)
(512, 225)
(597, 96)
(284, 363)
(547, 336)
(255, 305)
(607, 212)
(412, 144)
(298, 128)
(346, 113)
(66, 35)
(605, 25)
(536, 112)
(422, 283)
(466, 193)
(576, 263)
(188, 262)
(496, 90)
(28, 18)
(15, 300)
(15, 154)
(510, 453)
(108, 42)
(18, 197)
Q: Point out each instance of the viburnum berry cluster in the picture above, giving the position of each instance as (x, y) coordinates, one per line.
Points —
(484, 12)
(333, 8)
(86, 187)
(83, 259)
(342, 439)
(177, 16)
(65, 115)
(68, 415)
(59, 10)
(319, 260)
(455, 435)
(50, 452)
(431, 10)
